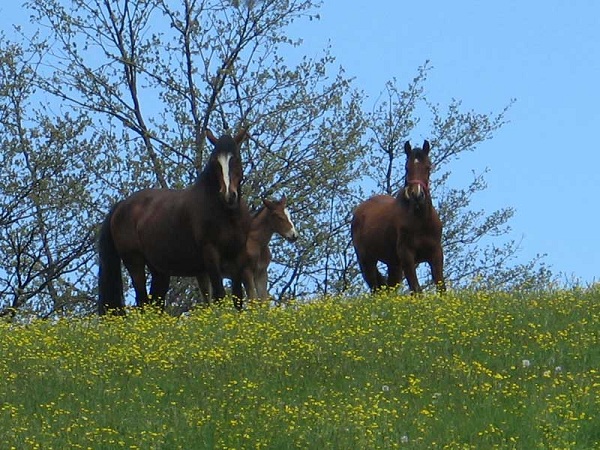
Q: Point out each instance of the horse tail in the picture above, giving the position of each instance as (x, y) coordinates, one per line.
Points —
(110, 283)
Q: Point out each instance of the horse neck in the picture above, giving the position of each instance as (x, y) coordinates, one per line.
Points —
(206, 179)
(261, 231)
(423, 213)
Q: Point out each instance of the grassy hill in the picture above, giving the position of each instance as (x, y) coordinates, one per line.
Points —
(469, 370)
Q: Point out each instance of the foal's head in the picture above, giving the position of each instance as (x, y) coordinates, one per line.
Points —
(280, 219)
(225, 165)
(418, 169)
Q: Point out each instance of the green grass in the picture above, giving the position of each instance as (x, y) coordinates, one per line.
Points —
(463, 371)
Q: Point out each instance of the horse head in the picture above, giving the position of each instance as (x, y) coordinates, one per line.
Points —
(225, 166)
(418, 170)
(280, 218)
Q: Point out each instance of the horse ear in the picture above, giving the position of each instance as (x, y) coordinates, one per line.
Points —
(268, 203)
(426, 147)
(211, 137)
(241, 136)
(407, 148)
(283, 200)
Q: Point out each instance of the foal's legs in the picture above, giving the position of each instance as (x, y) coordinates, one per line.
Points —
(250, 284)
(260, 280)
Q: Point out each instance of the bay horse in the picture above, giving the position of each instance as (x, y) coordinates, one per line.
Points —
(272, 218)
(181, 232)
(401, 231)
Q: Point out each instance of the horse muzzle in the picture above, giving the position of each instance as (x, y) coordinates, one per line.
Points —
(292, 235)
(231, 199)
(414, 193)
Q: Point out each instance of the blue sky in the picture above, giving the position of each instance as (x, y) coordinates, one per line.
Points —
(545, 54)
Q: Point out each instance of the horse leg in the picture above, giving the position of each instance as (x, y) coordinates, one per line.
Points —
(137, 271)
(250, 284)
(237, 292)
(410, 270)
(205, 288)
(381, 280)
(437, 270)
(213, 271)
(371, 275)
(158, 288)
(243, 278)
(260, 280)
(394, 275)
(216, 283)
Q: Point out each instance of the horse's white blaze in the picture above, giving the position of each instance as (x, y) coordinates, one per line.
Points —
(417, 161)
(224, 162)
(292, 233)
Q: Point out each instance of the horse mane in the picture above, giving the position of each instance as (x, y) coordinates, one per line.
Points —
(205, 179)
(255, 212)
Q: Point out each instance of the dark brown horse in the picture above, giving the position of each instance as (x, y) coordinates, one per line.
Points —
(272, 218)
(401, 231)
(177, 232)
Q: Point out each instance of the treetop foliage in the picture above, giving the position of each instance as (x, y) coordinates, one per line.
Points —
(111, 97)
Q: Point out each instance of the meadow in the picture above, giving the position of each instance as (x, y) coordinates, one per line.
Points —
(468, 370)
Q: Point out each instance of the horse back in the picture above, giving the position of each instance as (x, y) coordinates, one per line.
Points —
(147, 223)
(374, 229)
(173, 229)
